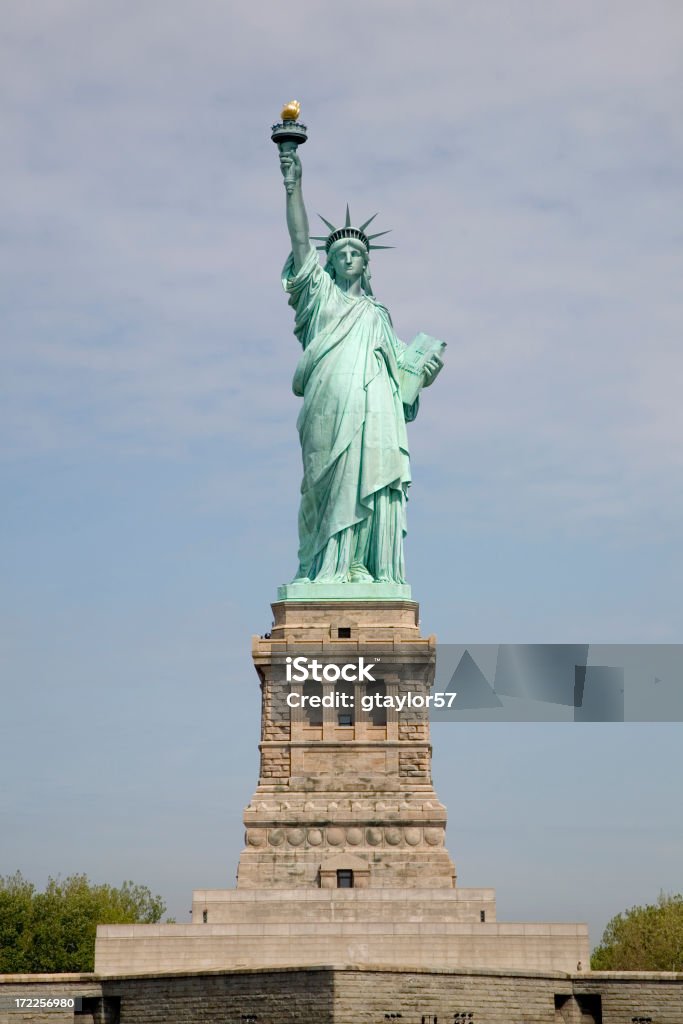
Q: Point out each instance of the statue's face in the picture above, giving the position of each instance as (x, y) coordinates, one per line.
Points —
(348, 260)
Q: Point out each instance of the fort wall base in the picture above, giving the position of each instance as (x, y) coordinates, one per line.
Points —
(353, 995)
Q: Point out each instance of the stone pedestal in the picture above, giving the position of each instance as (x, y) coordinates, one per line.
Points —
(344, 859)
(345, 794)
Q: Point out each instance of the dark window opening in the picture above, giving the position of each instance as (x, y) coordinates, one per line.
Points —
(564, 1012)
(89, 1010)
(345, 879)
(344, 703)
(111, 1009)
(344, 633)
(205, 916)
(314, 715)
(377, 713)
(482, 916)
(590, 1008)
(93, 1008)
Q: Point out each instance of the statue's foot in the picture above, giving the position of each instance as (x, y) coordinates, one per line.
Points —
(301, 579)
(358, 573)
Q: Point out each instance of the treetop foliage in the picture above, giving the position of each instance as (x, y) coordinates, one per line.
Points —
(54, 931)
(646, 938)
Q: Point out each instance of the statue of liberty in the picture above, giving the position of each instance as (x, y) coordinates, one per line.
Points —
(359, 391)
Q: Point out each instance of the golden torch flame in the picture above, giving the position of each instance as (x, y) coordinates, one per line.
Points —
(291, 111)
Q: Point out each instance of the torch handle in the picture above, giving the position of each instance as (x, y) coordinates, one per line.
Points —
(289, 178)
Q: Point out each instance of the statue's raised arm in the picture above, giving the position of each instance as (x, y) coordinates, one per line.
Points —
(297, 218)
(288, 134)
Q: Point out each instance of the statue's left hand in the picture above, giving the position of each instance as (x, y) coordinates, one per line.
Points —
(431, 371)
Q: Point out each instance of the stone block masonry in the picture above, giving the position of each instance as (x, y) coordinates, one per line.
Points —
(339, 994)
(345, 781)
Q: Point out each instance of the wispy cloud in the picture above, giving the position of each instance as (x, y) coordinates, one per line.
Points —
(526, 157)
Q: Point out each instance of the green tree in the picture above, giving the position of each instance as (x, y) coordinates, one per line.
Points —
(54, 931)
(16, 902)
(643, 939)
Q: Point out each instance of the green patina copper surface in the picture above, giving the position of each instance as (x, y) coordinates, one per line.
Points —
(352, 424)
(315, 591)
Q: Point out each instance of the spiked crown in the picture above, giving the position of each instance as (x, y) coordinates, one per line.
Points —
(348, 231)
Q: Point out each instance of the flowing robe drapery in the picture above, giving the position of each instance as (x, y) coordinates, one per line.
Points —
(352, 428)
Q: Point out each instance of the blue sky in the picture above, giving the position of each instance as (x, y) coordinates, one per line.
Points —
(528, 158)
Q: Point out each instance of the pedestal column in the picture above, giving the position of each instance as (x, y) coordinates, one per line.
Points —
(345, 795)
